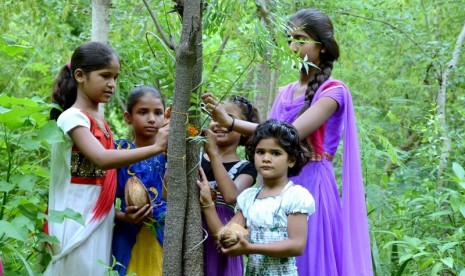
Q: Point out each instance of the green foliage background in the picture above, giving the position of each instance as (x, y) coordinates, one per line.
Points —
(393, 53)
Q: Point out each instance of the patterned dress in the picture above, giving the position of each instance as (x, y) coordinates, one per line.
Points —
(338, 240)
(77, 184)
(266, 220)
(216, 263)
(139, 248)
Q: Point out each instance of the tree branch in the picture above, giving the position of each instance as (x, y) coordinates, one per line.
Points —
(263, 13)
(220, 52)
(168, 41)
(441, 102)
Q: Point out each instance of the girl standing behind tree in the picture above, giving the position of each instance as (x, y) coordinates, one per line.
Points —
(276, 212)
(82, 166)
(322, 111)
(228, 176)
(138, 233)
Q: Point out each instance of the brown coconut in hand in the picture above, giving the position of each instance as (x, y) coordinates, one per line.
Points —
(135, 193)
(227, 236)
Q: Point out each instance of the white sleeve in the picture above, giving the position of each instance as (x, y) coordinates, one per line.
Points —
(299, 200)
(72, 118)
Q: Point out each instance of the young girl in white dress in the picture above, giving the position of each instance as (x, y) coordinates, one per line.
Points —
(275, 213)
(82, 177)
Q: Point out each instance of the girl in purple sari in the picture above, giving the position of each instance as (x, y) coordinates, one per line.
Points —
(321, 109)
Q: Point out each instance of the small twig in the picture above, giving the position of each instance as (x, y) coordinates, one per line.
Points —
(220, 53)
(168, 41)
(198, 244)
(229, 89)
(162, 43)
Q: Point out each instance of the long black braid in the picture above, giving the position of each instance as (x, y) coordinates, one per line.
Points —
(319, 27)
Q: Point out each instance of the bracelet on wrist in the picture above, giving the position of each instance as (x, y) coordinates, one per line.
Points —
(208, 205)
(232, 124)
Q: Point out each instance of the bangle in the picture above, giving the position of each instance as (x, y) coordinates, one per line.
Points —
(209, 205)
(232, 125)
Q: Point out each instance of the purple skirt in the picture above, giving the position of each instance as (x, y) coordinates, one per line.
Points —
(323, 251)
(215, 262)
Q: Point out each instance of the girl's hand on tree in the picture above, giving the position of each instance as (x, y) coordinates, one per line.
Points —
(135, 215)
(205, 195)
(240, 248)
(216, 110)
(210, 144)
(162, 137)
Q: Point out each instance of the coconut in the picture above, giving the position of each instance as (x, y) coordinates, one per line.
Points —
(227, 236)
(135, 193)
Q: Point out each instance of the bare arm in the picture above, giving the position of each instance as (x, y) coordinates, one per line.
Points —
(229, 189)
(293, 246)
(306, 123)
(208, 207)
(110, 159)
(219, 114)
(315, 116)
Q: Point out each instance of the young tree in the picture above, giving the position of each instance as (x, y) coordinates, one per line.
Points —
(182, 249)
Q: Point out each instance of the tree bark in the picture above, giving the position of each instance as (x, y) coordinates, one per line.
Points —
(100, 26)
(441, 102)
(265, 77)
(100, 20)
(193, 236)
(178, 246)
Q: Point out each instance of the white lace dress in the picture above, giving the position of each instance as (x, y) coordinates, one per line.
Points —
(266, 219)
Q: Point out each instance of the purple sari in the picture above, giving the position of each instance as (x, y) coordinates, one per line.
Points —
(338, 241)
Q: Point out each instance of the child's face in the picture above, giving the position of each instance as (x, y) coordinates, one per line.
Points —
(147, 116)
(223, 137)
(271, 160)
(98, 86)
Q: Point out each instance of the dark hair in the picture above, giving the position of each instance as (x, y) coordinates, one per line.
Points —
(140, 91)
(287, 137)
(249, 112)
(88, 57)
(319, 27)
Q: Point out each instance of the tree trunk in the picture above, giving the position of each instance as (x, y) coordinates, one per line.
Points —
(187, 65)
(193, 237)
(100, 26)
(441, 102)
(265, 77)
(100, 20)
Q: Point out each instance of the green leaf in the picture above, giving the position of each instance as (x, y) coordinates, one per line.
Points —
(8, 101)
(10, 231)
(59, 216)
(436, 268)
(6, 186)
(449, 261)
(446, 246)
(25, 182)
(403, 266)
(46, 238)
(12, 50)
(28, 211)
(462, 209)
(458, 170)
